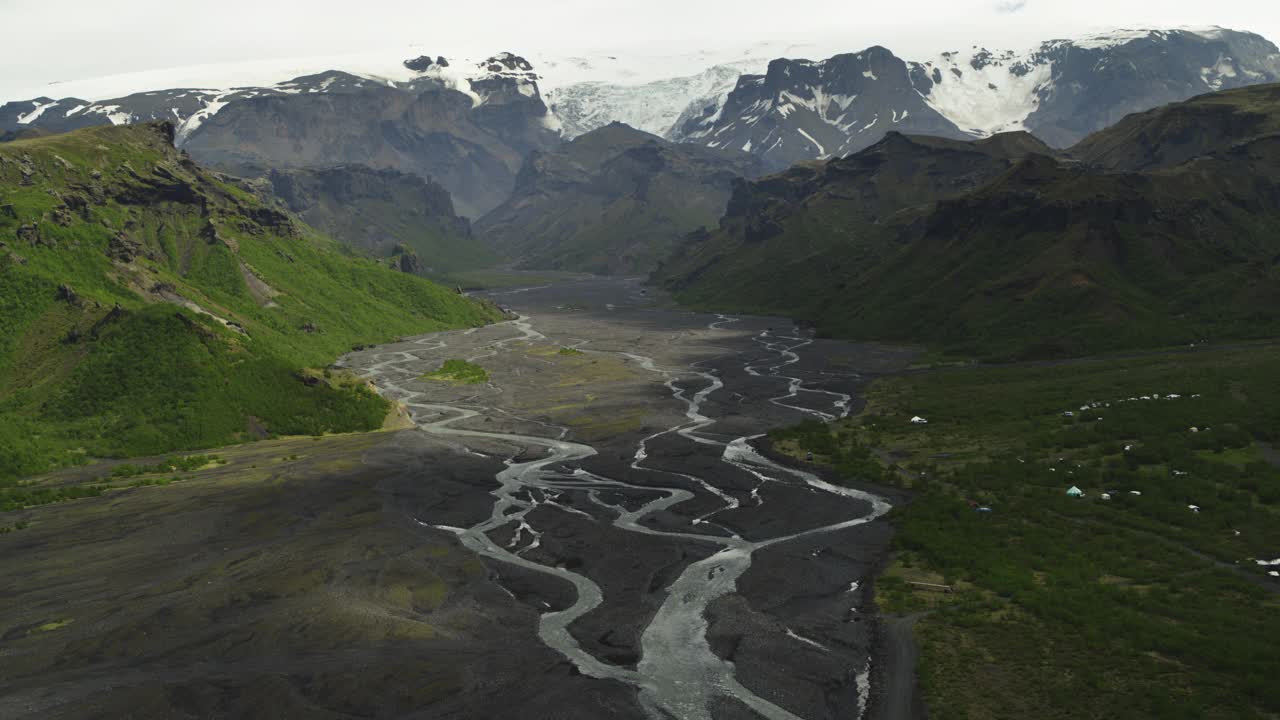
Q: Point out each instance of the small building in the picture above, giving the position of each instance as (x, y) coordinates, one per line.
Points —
(1105, 496)
(1075, 492)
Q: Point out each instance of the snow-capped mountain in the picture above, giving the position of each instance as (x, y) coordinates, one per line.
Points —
(470, 134)
(1061, 91)
(586, 90)
(653, 107)
(188, 107)
(784, 110)
(801, 110)
(1067, 89)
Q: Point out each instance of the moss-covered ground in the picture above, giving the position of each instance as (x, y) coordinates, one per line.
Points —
(1127, 602)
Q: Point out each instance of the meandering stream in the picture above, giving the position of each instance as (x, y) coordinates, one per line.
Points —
(678, 675)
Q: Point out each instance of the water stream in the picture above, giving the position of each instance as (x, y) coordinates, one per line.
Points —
(678, 675)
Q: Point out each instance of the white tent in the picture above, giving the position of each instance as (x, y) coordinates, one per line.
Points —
(1075, 492)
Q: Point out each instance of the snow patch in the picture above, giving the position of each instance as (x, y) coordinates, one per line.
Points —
(1213, 76)
(28, 118)
(821, 150)
(969, 100)
(193, 123)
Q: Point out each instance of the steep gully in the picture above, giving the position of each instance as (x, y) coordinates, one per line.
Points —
(678, 675)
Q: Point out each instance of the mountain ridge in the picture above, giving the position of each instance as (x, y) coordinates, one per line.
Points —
(1062, 89)
(975, 246)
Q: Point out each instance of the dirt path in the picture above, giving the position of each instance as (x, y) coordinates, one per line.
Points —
(1167, 352)
(1269, 453)
(899, 697)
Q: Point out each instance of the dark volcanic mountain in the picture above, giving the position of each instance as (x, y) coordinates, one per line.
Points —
(802, 110)
(614, 200)
(1061, 92)
(384, 213)
(473, 145)
(998, 247)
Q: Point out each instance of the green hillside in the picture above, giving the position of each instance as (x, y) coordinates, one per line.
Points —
(1124, 603)
(146, 305)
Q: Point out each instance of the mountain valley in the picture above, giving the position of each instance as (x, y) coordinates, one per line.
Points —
(676, 380)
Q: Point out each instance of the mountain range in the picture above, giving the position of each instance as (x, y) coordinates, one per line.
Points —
(470, 124)
(1061, 92)
(1159, 230)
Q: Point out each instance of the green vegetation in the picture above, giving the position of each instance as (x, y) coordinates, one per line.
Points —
(54, 625)
(459, 372)
(151, 482)
(182, 464)
(570, 351)
(16, 497)
(147, 306)
(1132, 606)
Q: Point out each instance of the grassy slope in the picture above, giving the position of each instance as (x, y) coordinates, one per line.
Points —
(1133, 607)
(77, 377)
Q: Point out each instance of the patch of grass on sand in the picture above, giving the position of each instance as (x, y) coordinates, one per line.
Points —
(55, 625)
(190, 463)
(459, 372)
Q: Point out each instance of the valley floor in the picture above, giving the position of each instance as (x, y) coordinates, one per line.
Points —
(579, 527)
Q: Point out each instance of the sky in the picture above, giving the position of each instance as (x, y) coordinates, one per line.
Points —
(69, 40)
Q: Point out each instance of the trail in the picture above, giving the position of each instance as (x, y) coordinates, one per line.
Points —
(678, 675)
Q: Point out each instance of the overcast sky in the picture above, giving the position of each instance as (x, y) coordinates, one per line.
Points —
(50, 40)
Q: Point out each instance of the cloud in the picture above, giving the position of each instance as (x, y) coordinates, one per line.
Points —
(1008, 7)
